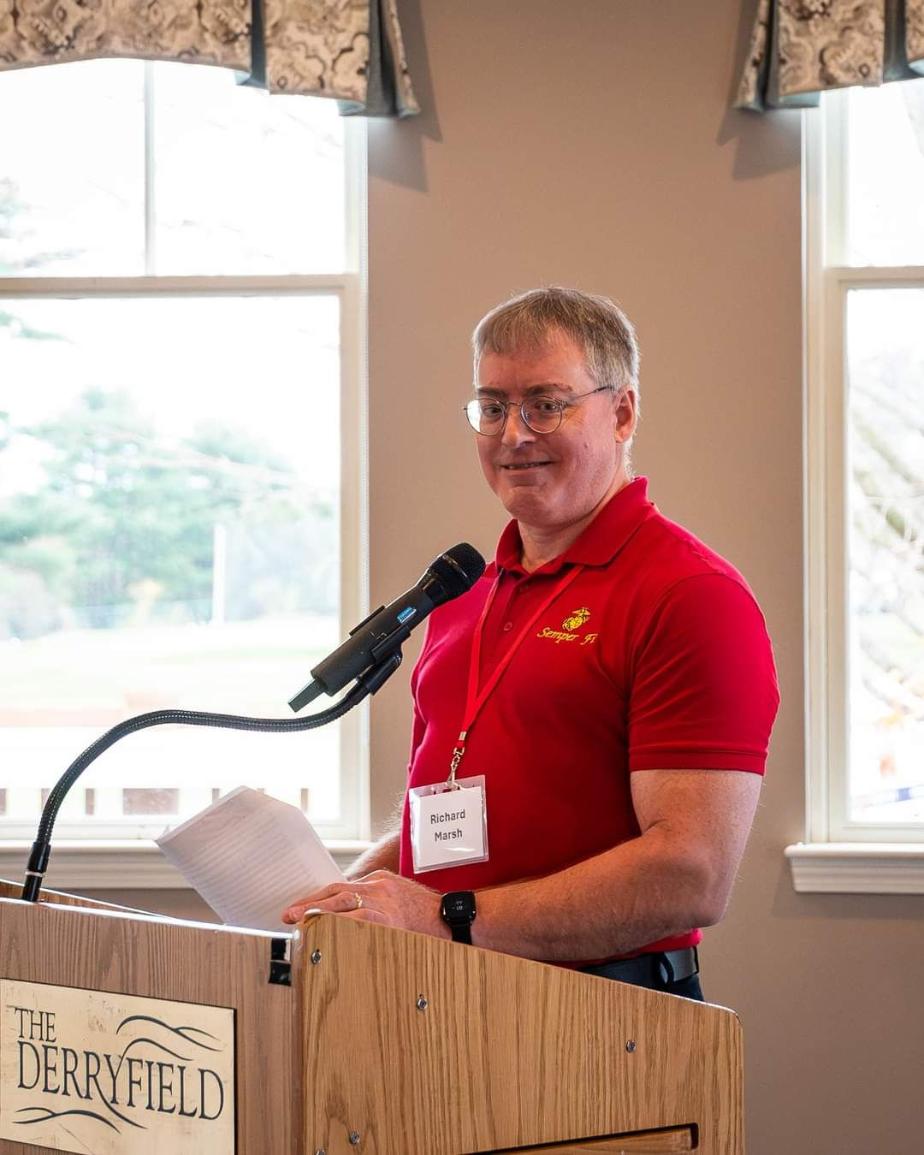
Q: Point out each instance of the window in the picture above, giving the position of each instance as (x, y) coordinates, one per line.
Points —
(180, 438)
(865, 469)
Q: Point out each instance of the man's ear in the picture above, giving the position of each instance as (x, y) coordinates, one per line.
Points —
(625, 407)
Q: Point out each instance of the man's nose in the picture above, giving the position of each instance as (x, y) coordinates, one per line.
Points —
(516, 431)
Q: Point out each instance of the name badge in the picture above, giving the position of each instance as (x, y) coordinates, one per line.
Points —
(449, 826)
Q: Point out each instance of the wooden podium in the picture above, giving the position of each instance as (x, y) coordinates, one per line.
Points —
(349, 1037)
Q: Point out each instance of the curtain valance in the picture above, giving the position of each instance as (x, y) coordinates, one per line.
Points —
(800, 48)
(347, 49)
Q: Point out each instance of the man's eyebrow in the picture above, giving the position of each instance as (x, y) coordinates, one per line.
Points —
(531, 391)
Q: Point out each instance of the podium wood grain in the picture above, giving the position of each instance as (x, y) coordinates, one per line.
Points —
(506, 1054)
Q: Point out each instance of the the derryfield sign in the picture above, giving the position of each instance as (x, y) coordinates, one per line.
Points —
(89, 1071)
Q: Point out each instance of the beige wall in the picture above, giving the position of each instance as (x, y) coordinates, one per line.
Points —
(589, 143)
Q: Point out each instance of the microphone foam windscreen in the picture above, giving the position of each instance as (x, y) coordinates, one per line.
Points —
(458, 568)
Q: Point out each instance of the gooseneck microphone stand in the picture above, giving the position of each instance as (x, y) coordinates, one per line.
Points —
(367, 684)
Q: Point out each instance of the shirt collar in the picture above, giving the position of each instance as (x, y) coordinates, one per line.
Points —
(598, 544)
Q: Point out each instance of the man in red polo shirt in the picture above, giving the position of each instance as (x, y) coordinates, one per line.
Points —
(591, 719)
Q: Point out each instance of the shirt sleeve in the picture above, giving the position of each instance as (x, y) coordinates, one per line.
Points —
(704, 691)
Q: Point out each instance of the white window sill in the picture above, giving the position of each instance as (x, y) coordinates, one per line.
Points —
(857, 867)
(817, 867)
(125, 865)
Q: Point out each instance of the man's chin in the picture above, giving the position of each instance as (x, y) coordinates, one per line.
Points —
(527, 504)
(512, 483)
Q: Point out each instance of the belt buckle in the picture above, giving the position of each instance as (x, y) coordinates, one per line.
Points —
(665, 967)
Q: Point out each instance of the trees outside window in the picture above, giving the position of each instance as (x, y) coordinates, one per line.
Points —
(179, 437)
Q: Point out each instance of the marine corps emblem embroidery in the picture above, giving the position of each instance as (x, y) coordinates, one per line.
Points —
(576, 619)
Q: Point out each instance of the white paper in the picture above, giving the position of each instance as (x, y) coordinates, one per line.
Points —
(250, 856)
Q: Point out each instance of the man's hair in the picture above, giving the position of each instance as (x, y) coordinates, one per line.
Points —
(594, 324)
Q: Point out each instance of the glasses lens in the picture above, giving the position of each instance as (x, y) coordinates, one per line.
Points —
(542, 414)
(485, 416)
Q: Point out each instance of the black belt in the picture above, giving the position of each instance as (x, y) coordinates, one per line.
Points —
(650, 970)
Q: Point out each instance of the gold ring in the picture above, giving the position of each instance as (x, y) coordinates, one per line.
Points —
(359, 899)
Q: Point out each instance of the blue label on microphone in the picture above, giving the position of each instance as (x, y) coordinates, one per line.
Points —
(410, 612)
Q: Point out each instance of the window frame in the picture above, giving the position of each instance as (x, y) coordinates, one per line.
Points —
(838, 855)
(128, 863)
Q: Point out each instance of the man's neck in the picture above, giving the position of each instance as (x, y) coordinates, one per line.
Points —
(542, 544)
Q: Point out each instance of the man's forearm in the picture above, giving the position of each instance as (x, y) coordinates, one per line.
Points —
(676, 875)
(382, 855)
(613, 904)
(579, 913)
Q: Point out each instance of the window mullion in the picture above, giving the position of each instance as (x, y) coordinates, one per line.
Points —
(837, 613)
(816, 288)
(301, 284)
(150, 261)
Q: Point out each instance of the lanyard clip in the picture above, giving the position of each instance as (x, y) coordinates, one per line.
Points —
(458, 753)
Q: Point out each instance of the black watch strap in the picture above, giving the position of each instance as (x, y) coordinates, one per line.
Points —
(458, 911)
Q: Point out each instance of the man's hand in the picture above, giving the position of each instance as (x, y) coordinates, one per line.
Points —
(380, 897)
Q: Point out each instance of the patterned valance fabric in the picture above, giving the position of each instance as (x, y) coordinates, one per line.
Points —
(800, 48)
(56, 31)
(350, 50)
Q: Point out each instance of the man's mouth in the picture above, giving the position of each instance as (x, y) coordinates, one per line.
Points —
(524, 465)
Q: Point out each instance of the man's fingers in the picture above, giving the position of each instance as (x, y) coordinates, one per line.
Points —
(334, 900)
(326, 892)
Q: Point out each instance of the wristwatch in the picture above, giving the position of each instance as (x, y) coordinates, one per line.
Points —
(458, 911)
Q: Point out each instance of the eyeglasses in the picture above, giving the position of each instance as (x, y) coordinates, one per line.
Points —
(541, 414)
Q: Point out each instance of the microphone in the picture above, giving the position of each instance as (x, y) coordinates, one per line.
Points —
(387, 628)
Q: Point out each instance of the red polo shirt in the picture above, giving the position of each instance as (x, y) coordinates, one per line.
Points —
(655, 657)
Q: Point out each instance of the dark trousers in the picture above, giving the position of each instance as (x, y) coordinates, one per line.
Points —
(674, 972)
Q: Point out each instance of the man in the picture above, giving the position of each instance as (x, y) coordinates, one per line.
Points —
(604, 694)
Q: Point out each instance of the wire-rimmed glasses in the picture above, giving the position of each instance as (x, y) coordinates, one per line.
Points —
(541, 413)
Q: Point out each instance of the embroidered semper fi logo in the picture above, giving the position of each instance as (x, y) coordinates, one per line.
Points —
(576, 619)
(573, 622)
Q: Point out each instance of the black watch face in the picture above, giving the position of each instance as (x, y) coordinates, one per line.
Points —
(459, 906)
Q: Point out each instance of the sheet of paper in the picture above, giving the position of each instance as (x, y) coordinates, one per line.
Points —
(250, 856)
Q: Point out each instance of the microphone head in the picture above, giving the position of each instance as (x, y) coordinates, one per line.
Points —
(457, 569)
